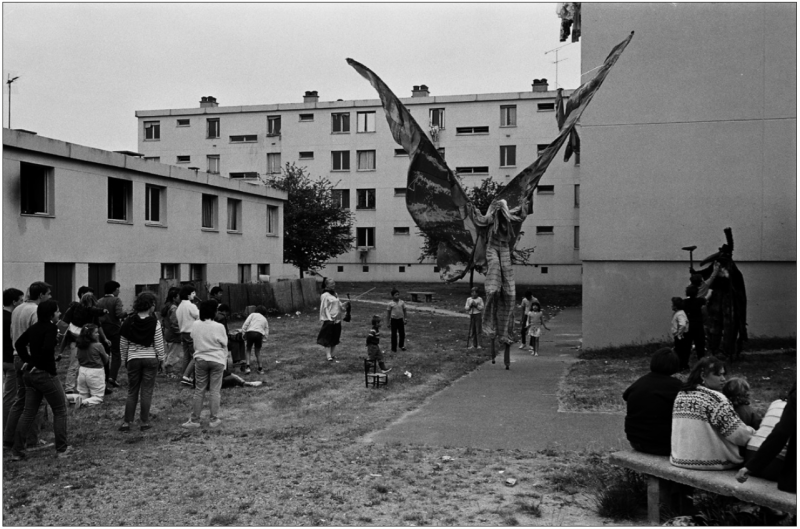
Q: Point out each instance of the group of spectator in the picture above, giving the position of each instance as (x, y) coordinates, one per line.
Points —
(707, 423)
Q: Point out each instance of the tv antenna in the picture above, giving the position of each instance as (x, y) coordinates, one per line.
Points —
(557, 60)
(10, 80)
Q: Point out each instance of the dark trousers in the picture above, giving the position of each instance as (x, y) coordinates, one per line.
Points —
(683, 348)
(15, 413)
(475, 327)
(524, 330)
(141, 381)
(42, 385)
(112, 367)
(398, 327)
(697, 335)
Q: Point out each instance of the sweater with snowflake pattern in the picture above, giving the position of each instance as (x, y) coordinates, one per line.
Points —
(706, 432)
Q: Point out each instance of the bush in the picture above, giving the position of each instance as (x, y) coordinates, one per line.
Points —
(622, 496)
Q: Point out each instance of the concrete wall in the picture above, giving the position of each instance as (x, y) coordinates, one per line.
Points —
(693, 131)
(80, 232)
(533, 127)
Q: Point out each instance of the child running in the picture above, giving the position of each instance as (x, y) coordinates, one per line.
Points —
(535, 323)
(91, 374)
(374, 352)
(738, 392)
(255, 329)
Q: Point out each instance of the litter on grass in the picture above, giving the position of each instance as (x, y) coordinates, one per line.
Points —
(408, 374)
(510, 482)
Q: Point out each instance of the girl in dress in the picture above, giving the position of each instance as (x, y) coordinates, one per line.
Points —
(535, 323)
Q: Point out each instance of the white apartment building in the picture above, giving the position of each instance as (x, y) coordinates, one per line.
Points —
(349, 142)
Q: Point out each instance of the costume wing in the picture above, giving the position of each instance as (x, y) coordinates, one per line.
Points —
(434, 196)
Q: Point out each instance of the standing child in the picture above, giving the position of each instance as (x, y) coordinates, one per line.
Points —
(536, 322)
(693, 307)
(374, 352)
(678, 330)
(91, 375)
(396, 314)
(255, 329)
(525, 305)
(738, 392)
(474, 308)
(172, 331)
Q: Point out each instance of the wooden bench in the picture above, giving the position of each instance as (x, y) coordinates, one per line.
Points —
(415, 296)
(373, 375)
(660, 471)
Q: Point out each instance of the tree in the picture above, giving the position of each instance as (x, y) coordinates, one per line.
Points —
(315, 228)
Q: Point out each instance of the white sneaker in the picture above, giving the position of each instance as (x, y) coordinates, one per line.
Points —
(522, 346)
(190, 424)
(216, 422)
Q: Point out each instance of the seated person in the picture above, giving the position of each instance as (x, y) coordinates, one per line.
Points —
(738, 392)
(648, 422)
(781, 440)
(706, 432)
(231, 380)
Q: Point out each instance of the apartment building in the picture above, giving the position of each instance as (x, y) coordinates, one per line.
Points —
(349, 142)
(694, 130)
(74, 215)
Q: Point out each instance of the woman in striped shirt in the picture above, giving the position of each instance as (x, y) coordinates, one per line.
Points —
(142, 348)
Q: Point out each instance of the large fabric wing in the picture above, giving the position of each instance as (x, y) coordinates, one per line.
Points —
(434, 196)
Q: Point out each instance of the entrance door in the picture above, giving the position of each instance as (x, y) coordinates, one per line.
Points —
(60, 277)
(99, 274)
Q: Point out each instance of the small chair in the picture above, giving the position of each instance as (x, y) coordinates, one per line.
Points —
(377, 378)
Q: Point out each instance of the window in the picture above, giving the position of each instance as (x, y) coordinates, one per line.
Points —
(341, 160)
(472, 130)
(441, 152)
(170, 271)
(154, 204)
(401, 269)
(340, 269)
(153, 158)
(400, 152)
(576, 238)
(244, 175)
(400, 191)
(545, 190)
(183, 158)
(365, 237)
(306, 155)
(340, 122)
(197, 272)
(244, 273)
(508, 155)
(341, 197)
(306, 117)
(244, 138)
(366, 160)
(234, 215)
(365, 268)
(472, 170)
(540, 148)
(273, 125)
(401, 231)
(577, 158)
(545, 107)
(508, 116)
(544, 230)
(213, 163)
(577, 201)
(36, 189)
(365, 199)
(366, 122)
(263, 270)
(212, 128)
(274, 163)
(435, 269)
(183, 122)
(544, 269)
(436, 117)
(272, 220)
(152, 130)
(119, 199)
(209, 212)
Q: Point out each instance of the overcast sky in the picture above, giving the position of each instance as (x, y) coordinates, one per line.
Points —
(84, 69)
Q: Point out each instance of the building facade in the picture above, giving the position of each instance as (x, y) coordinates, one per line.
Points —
(74, 215)
(349, 142)
(694, 130)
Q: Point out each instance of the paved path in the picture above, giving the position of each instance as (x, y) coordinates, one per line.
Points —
(497, 408)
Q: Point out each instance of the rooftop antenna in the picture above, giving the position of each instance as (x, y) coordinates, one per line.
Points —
(558, 61)
(10, 80)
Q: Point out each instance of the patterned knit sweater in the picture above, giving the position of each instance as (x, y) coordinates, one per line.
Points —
(706, 432)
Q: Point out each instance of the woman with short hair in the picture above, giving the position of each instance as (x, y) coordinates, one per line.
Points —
(331, 312)
(210, 358)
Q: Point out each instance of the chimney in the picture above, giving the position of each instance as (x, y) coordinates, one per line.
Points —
(540, 85)
(208, 102)
(420, 91)
(311, 97)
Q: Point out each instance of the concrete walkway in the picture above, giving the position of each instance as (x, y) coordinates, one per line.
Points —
(497, 408)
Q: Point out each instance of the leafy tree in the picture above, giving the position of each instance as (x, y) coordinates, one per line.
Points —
(315, 229)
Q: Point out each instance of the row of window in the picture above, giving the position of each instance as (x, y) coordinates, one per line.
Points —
(365, 237)
(197, 272)
(402, 269)
(37, 198)
(340, 123)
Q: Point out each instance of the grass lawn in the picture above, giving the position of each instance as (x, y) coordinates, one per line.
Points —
(290, 452)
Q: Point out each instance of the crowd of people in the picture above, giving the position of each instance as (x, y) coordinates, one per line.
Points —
(186, 336)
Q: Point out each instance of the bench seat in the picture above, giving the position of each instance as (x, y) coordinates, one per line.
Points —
(723, 482)
(415, 296)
